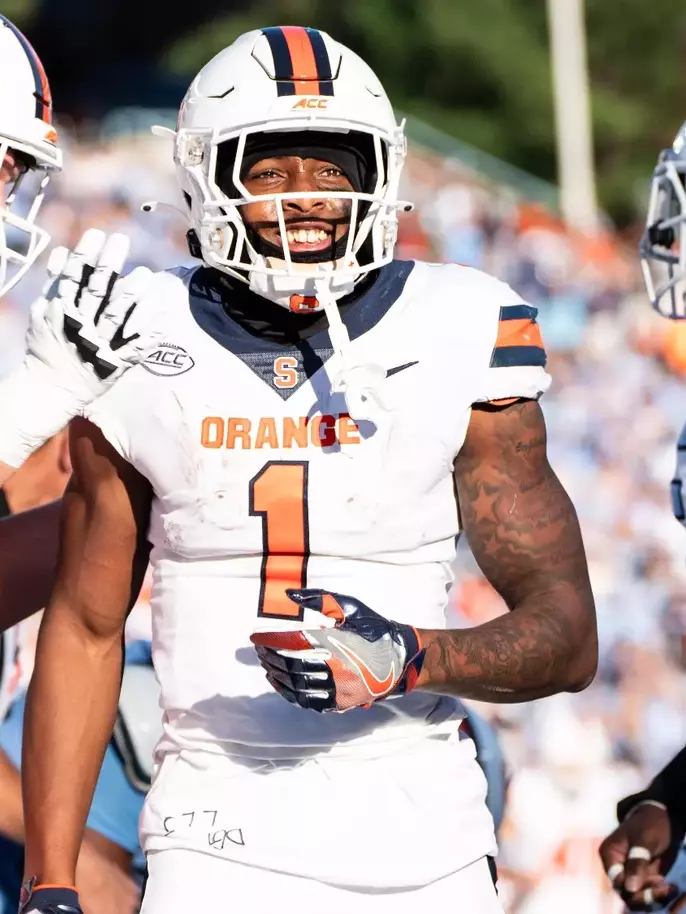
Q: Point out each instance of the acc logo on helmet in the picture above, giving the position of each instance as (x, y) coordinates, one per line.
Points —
(311, 103)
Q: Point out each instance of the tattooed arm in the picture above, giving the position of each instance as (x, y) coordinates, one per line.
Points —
(523, 531)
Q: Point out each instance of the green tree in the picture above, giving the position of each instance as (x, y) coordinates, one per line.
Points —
(481, 72)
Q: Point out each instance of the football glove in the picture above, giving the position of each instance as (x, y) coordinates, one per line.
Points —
(85, 330)
(361, 659)
(48, 899)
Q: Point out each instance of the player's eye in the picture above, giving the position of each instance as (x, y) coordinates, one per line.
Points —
(264, 174)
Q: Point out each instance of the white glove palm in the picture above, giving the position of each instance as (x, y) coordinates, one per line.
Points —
(85, 330)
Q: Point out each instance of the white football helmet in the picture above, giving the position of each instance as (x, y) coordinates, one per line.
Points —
(663, 245)
(25, 128)
(280, 80)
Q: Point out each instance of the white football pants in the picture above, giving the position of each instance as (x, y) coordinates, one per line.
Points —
(190, 882)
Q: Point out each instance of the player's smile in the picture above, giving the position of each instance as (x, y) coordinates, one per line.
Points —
(311, 224)
(307, 235)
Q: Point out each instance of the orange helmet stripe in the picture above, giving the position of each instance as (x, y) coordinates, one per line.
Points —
(301, 61)
(42, 86)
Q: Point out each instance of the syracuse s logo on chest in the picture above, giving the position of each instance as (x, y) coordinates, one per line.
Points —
(285, 372)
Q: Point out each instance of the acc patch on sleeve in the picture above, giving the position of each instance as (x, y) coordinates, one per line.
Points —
(519, 340)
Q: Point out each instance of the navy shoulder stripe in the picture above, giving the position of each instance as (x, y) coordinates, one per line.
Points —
(518, 313)
(515, 356)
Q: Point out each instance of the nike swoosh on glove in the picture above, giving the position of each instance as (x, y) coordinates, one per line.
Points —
(49, 899)
(363, 658)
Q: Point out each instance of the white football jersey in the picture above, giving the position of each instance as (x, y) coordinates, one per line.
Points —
(263, 481)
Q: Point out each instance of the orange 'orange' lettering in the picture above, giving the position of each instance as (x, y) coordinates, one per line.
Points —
(239, 430)
(323, 431)
(212, 431)
(266, 434)
(348, 432)
(295, 433)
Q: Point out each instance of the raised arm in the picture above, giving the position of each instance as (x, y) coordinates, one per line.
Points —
(86, 329)
(524, 533)
(73, 694)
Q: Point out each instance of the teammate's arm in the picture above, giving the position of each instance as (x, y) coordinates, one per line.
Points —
(28, 562)
(72, 699)
(666, 788)
(524, 533)
(653, 819)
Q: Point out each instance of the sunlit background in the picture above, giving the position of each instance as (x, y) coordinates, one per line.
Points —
(534, 166)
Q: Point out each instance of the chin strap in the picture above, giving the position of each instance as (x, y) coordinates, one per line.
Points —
(360, 383)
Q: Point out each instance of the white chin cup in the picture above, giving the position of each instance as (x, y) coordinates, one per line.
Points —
(299, 293)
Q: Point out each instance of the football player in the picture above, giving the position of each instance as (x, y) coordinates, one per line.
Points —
(300, 454)
(78, 342)
(643, 856)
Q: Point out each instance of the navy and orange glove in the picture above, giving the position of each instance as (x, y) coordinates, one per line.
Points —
(360, 660)
(48, 899)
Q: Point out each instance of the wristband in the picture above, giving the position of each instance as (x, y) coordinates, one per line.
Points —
(36, 897)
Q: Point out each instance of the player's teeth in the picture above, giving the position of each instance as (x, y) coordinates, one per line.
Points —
(306, 236)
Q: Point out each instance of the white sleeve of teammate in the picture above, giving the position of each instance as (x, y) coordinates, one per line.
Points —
(512, 351)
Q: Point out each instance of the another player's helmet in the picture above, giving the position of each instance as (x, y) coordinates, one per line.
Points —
(27, 131)
(271, 85)
(663, 245)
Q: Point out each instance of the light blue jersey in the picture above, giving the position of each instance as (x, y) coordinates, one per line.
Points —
(116, 804)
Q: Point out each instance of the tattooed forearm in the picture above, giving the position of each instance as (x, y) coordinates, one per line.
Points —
(523, 531)
(516, 657)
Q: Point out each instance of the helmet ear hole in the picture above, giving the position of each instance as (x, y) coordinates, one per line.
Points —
(664, 237)
(194, 248)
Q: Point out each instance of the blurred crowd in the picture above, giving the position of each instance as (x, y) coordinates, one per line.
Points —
(614, 412)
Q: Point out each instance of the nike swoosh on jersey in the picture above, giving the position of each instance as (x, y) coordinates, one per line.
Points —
(376, 686)
(392, 371)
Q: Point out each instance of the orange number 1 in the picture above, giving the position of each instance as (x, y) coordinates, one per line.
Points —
(278, 494)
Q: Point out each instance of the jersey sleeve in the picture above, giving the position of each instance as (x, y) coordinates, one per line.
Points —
(506, 349)
(103, 412)
(517, 358)
(491, 335)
